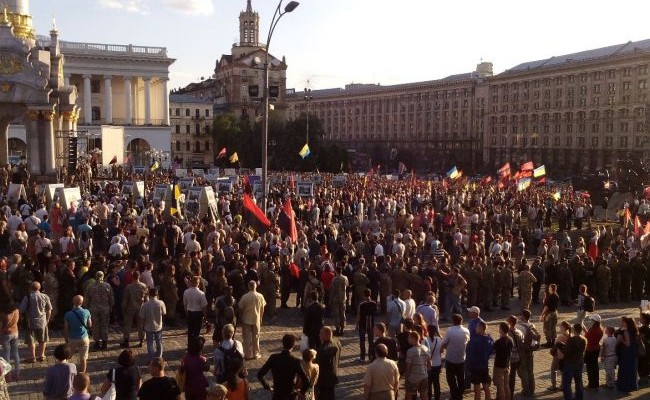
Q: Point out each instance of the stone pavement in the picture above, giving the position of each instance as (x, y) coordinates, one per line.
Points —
(350, 370)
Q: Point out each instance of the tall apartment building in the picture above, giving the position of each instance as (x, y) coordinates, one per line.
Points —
(577, 112)
(192, 139)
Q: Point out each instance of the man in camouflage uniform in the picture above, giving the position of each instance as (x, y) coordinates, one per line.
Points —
(604, 278)
(99, 301)
(626, 279)
(269, 285)
(566, 284)
(135, 294)
(338, 299)
(505, 280)
(638, 277)
(487, 287)
(359, 282)
(525, 281)
(473, 284)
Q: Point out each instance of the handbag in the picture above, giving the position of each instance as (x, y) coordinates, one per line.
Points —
(110, 393)
(181, 377)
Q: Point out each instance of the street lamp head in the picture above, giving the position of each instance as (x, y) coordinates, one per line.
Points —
(291, 6)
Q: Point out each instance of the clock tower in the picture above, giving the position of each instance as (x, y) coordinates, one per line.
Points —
(249, 26)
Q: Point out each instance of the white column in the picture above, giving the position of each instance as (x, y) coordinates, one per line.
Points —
(66, 79)
(128, 103)
(165, 93)
(88, 106)
(108, 99)
(50, 152)
(147, 100)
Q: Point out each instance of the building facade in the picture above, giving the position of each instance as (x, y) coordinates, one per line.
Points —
(578, 112)
(574, 113)
(122, 90)
(237, 85)
(192, 139)
(426, 125)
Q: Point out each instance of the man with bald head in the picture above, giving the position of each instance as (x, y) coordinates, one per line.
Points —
(76, 330)
(38, 308)
(251, 308)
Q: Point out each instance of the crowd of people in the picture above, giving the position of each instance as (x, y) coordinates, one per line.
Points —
(397, 257)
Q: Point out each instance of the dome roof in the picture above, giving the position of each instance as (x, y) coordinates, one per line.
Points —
(16, 6)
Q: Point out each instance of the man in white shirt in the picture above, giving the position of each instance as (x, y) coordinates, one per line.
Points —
(454, 344)
(146, 276)
(152, 313)
(409, 310)
(14, 222)
(192, 245)
(429, 312)
(195, 303)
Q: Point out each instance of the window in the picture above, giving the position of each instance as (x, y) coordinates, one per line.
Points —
(197, 147)
(197, 113)
(627, 71)
(95, 86)
(626, 86)
(642, 84)
(556, 141)
(643, 69)
(581, 141)
(187, 146)
(207, 146)
(187, 129)
(96, 114)
(197, 129)
(187, 112)
(178, 112)
(207, 113)
(622, 142)
(569, 141)
(178, 129)
(596, 88)
(609, 141)
(594, 142)
(178, 145)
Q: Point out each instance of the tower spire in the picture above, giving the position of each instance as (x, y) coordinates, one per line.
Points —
(249, 6)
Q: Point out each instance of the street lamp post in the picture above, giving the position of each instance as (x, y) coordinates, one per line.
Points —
(265, 132)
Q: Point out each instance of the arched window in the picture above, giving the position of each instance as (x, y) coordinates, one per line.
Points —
(197, 147)
(207, 146)
(178, 146)
(187, 146)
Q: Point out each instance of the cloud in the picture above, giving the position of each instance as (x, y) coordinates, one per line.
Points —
(188, 7)
(191, 7)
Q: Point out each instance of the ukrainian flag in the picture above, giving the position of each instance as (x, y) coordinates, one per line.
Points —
(305, 152)
(523, 184)
(154, 166)
(453, 173)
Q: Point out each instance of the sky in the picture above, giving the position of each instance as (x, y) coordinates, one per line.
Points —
(330, 43)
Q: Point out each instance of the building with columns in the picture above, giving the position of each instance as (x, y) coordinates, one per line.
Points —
(121, 90)
(192, 139)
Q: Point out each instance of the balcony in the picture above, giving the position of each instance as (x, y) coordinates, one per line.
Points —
(99, 48)
(122, 122)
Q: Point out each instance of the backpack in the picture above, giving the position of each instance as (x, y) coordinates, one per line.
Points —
(531, 338)
(229, 356)
(589, 304)
(517, 344)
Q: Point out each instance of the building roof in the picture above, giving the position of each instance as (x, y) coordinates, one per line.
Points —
(186, 98)
(370, 88)
(587, 55)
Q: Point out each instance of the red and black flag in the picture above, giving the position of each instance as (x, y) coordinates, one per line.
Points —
(254, 215)
(113, 160)
(287, 221)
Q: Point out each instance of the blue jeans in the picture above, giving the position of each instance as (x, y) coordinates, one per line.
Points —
(10, 348)
(572, 373)
(363, 336)
(151, 338)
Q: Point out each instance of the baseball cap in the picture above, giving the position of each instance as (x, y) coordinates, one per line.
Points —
(474, 310)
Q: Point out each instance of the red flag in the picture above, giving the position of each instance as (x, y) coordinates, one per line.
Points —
(113, 160)
(637, 226)
(527, 166)
(254, 215)
(505, 170)
(486, 180)
(247, 185)
(222, 153)
(287, 221)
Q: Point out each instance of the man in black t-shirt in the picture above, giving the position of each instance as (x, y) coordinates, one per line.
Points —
(503, 351)
(365, 324)
(381, 338)
(549, 314)
(159, 387)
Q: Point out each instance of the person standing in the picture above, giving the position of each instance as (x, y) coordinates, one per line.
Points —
(549, 314)
(59, 377)
(152, 313)
(169, 293)
(628, 358)
(365, 324)
(379, 333)
(194, 303)
(313, 321)
(286, 370)
(526, 361)
(416, 377)
(503, 352)
(593, 335)
(381, 380)
(159, 386)
(38, 310)
(135, 294)
(251, 308)
(77, 324)
(327, 359)
(608, 357)
(9, 337)
(479, 349)
(518, 342)
(395, 314)
(525, 281)
(572, 362)
(429, 311)
(454, 344)
(338, 300)
(99, 301)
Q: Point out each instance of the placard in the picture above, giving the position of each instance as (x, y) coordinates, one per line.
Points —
(198, 172)
(139, 189)
(127, 188)
(258, 171)
(68, 196)
(49, 191)
(139, 170)
(339, 180)
(160, 192)
(185, 183)
(15, 191)
(230, 172)
(305, 189)
(224, 185)
(181, 172)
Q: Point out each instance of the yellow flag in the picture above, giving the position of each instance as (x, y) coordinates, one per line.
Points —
(234, 158)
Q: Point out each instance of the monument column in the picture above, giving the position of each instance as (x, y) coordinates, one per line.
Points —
(4, 144)
(108, 99)
(165, 93)
(147, 100)
(32, 133)
(88, 106)
(128, 100)
(49, 155)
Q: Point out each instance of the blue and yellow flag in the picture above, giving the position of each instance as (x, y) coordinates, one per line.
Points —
(305, 152)
(154, 166)
(175, 195)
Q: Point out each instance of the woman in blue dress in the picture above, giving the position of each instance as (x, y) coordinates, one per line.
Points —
(628, 356)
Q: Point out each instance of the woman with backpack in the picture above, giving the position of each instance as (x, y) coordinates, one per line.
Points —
(586, 303)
